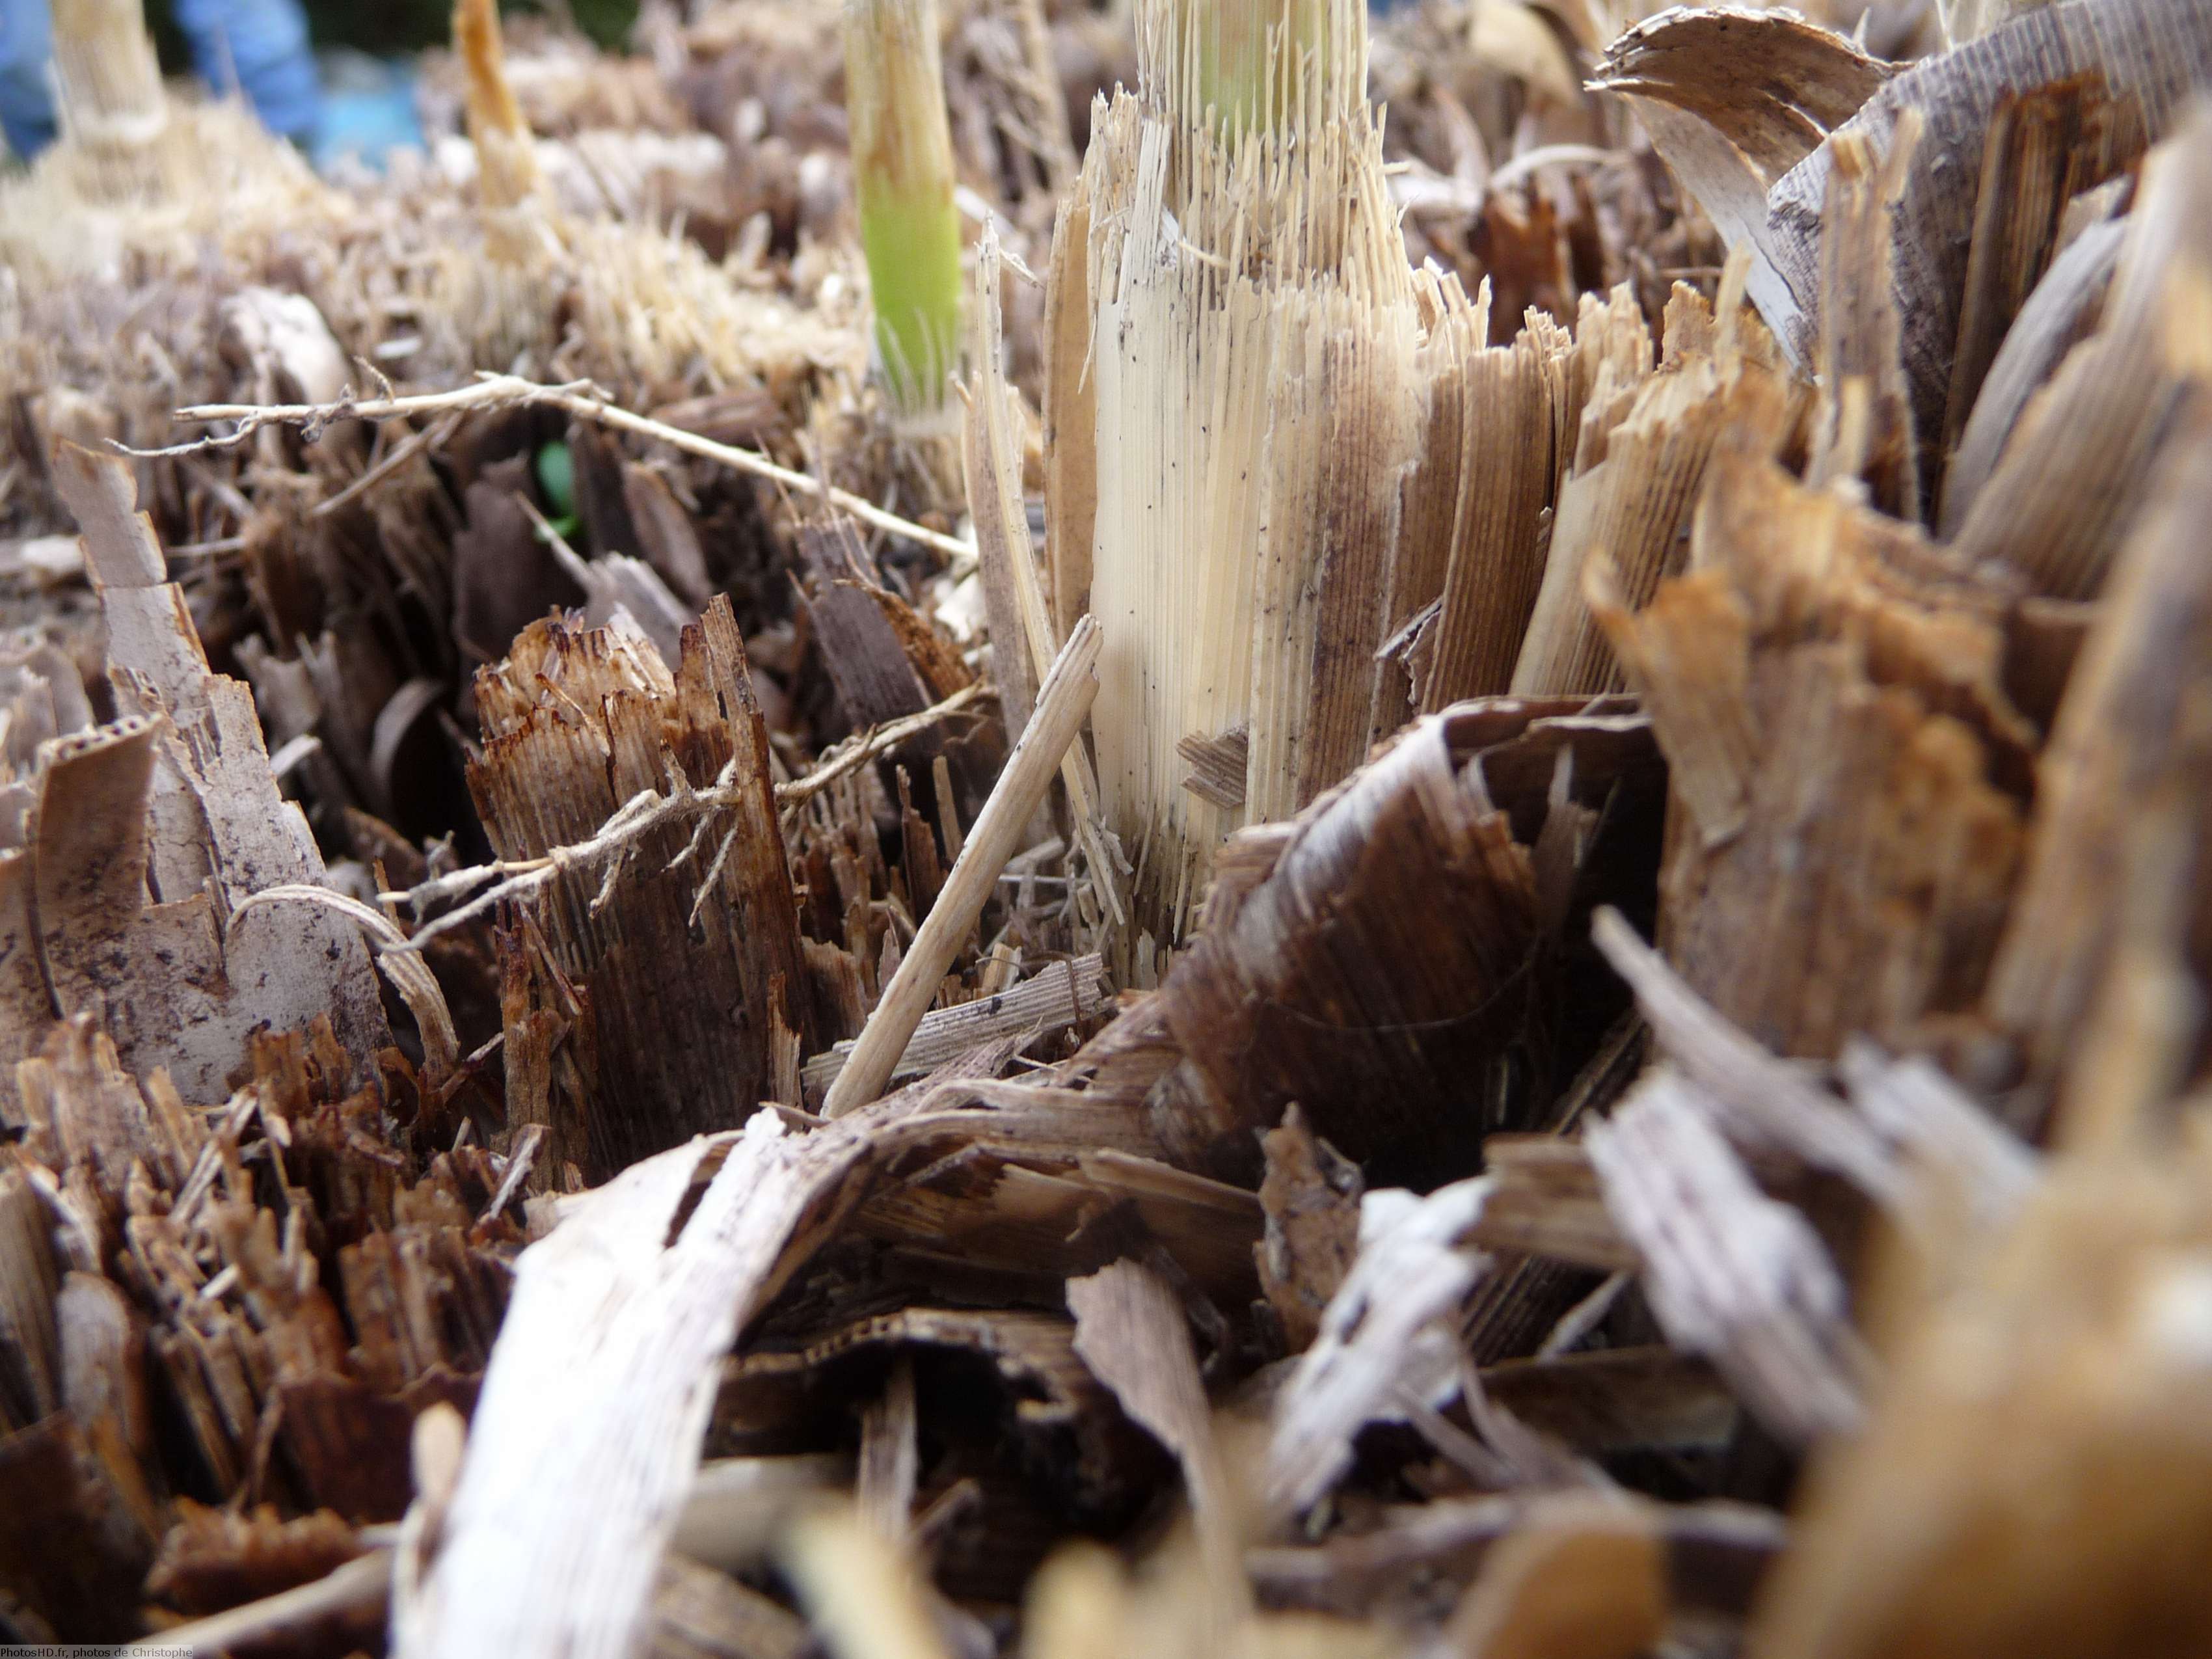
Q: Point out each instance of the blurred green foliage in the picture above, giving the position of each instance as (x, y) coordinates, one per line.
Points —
(385, 27)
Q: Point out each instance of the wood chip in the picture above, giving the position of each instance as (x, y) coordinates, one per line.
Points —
(1731, 1274)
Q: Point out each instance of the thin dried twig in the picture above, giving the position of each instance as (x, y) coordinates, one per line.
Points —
(580, 399)
(647, 810)
(360, 1586)
(417, 987)
(862, 747)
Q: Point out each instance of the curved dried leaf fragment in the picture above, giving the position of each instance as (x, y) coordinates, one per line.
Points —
(2150, 55)
(1769, 84)
(1374, 959)
(1733, 97)
(151, 833)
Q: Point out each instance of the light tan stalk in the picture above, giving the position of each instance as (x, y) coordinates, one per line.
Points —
(507, 162)
(111, 85)
(1062, 702)
(1249, 405)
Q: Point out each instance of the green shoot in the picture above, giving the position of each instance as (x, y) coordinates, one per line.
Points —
(1248, 59)
(903, 178)
(556, 476)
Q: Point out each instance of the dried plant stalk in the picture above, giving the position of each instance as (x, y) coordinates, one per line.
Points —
(1781, 725)
(2112, 884)
(508, 165)
(683, 998)
(990, 435)
(110, 83)
(1252, 398)
(1025, 637)
(1863, 426)
(903, 178)
(1485, 477)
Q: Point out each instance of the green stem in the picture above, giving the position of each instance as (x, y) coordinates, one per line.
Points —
(1250, 87)
(903, 180)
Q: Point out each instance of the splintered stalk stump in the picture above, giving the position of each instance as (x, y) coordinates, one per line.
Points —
(903, 177)
(1245, 412)
(109, 83)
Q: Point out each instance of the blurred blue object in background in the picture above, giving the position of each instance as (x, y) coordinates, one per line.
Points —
(27, 103)
(259, 47)
(369, 109)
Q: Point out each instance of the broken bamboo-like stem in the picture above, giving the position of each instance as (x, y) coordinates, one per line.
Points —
(647, 811)
(509, 174)
(1063, 702)
(1253, 403)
